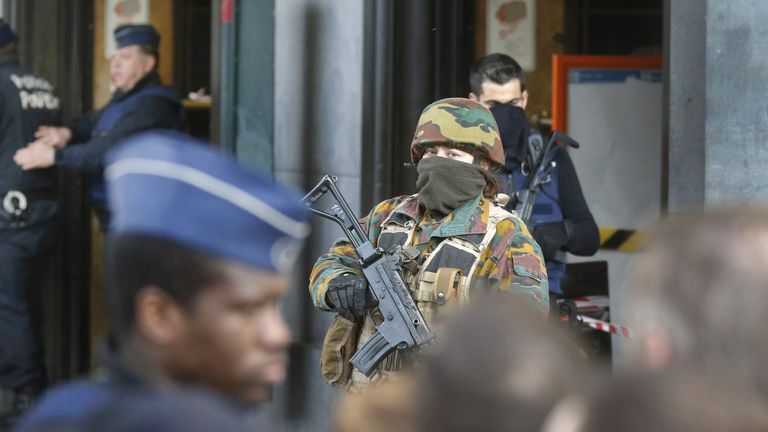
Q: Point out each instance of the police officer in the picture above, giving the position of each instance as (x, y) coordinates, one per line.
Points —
(28, 209)
(561, 219)
(463, 240)
(139, 103)
(194, 307)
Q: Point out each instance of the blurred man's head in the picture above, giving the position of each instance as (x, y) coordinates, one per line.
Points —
(136, 55)
(498, 79)
(498, 364)
(667, 401)
(699, 293)
(197, 258)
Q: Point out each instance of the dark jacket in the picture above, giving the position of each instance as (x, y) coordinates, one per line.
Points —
(86, 151)
(122, 399)
(149, 105)
(26, 102)
(584, 238)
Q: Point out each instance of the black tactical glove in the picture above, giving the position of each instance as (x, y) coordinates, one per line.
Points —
(348, 295)
(551, 237)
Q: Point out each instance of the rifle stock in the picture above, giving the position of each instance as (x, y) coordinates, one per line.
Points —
(526, 198)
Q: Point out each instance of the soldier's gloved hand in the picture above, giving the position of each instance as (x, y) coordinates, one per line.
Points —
(348, 295)
(551, 237)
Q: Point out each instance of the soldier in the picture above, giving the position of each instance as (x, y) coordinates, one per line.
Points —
(194, 307)
(140, 102)
(28, 207)
(561, 218)
(459, 231)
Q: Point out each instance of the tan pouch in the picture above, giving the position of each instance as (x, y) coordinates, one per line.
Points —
(338, 347)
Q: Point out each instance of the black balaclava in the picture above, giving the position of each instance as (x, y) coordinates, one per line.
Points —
(444, 184)
(514, 130)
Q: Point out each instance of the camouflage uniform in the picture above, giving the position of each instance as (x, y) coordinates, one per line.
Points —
(511, 260)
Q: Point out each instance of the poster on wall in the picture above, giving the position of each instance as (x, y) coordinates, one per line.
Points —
(119, 12)
(510, 29)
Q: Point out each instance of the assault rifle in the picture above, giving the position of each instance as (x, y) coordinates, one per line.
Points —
(403, 327)
(540, 160)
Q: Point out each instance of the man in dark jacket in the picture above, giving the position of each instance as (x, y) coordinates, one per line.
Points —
(140, 102)
(561, 218)
(27, 229)
(194, 306)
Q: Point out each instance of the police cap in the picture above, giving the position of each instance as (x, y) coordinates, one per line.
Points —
(169, 185)
(136, 34)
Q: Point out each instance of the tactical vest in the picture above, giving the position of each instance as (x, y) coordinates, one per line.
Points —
(546, 209)
(109, 117)
(443, 281)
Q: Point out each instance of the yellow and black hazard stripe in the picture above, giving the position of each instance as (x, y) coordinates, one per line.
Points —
(623, 240)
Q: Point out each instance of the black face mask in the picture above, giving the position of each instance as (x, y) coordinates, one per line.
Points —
(444, 184)
(514, 130)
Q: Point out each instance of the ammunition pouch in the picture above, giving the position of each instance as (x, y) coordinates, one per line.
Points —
(339, 346)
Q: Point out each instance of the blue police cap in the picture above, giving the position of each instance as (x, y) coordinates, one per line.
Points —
(6, 34)
(169, 185)
(136, 34)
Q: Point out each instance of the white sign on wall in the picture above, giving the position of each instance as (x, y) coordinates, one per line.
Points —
(510, 29)
(119, 12)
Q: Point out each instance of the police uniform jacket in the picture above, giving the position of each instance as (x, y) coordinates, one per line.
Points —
(26, 102)
(123, 399)
(155, 111)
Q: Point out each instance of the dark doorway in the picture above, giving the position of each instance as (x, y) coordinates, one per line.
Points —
(192, 62)
(613, 27)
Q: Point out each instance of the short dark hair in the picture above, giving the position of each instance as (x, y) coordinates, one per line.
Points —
(496, 68)
(136, 261)
(152, 51)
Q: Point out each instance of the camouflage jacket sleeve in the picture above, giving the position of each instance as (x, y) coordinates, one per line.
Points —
(342, 258)
(513, 262)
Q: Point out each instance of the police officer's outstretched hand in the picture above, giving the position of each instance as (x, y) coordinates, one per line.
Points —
(348, 295)
(550, 237)
(56, 137)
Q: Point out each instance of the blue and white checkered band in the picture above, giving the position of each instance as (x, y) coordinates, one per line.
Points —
(6, 34)
(169, 185)
(136, 34)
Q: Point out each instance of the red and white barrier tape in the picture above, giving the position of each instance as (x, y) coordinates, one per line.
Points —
(606, 326)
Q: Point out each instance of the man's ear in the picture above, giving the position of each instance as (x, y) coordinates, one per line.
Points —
(150, 64)
(525, 99)
(473, 97)
(657, 349)
(159, 318)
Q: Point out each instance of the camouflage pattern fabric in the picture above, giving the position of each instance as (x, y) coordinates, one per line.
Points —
(512, 262)
(459, 123)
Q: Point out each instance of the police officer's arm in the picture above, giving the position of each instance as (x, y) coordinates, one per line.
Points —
(155, 112)
(583, 235)
(81, 127)
(342, 258)
(513, 263)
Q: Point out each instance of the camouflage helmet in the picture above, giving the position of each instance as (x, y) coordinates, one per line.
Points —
(459, 123)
